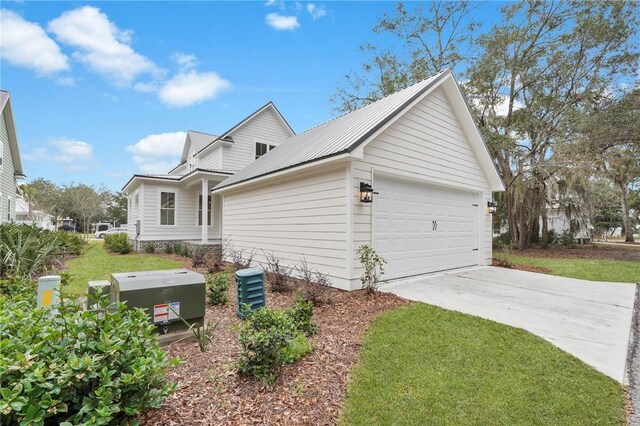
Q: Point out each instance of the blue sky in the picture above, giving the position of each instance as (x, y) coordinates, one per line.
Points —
(101, 90)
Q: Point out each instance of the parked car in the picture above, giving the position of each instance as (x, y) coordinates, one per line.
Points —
(101, 234)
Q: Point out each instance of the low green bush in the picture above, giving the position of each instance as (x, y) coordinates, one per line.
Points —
(198, 256)
(149, 248)
(271, 338)
(301, 314)
(118, 243)
(72, 366)
(218, 288)
(169, 248)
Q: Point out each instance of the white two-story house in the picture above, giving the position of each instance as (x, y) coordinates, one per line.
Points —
(10, 164)
(170, 207)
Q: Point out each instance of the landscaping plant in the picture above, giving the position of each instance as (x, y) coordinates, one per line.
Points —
(240, 258)
(199, 256)
(149, 248)
(169, 248)
(271, 338)
(29, 251)
(218, 288)
(202, 333)
(75, 366)
(373, 268)
(278, 274)
(315, 286)
(118, 243)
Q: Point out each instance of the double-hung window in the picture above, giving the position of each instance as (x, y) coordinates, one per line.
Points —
(262, 148)
(167, 208)
(200, 210)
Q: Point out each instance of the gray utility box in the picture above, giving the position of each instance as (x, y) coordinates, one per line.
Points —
(165, 295)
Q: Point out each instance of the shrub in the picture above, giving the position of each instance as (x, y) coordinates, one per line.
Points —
(217, 263)
(118, 243)
(501, 257)
(279, 275)
(169, 248)
(373, 268)
(566, 239)
(271, 338)
(316, 286)
(29, 251)
(264, 338)
(198, 256)
(218, 288)
(82, 367)
(301, 314)
(181, 250)
(149, 248)
(240, 258)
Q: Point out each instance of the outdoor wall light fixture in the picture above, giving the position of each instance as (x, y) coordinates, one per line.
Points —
(492, 206)
(366, 193)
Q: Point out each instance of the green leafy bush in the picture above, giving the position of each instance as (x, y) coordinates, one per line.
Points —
(118, 243)
(271, 338)
(218, 288)
(169, 248)
(301, 314)
(373, 265)
(566, 239)
(91, 367)
(149, 248)
(29, 251)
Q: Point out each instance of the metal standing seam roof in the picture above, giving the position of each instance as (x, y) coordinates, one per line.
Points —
(200, 140)
(336, 136)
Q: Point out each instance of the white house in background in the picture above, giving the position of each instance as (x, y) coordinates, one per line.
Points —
(170, 207)
(10, 164)
(562, 220)
(421, 153)
(25, 215)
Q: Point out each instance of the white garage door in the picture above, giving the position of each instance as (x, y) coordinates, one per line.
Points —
(420, 228)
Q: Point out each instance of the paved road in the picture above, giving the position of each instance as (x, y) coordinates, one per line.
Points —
(591, 320)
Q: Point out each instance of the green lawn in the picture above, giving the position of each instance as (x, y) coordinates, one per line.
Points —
(98, 264)
(587, 269)
(425, 365)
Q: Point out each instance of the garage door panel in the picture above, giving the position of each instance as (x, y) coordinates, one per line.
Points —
(404, 232)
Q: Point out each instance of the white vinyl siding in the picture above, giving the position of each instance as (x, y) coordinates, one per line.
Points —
(7, 177)
(181, 170)
(211, 160)
(186, 227)
(302, 215)
(426, 144)
(266, 127)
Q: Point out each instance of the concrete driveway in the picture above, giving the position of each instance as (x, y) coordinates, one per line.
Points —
(591, 320)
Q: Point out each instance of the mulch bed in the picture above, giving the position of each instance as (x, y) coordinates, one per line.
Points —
(310, 391)
(589, 251)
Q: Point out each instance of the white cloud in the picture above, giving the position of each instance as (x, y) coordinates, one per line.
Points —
(502, 108)
(190, 87)
(25, 44)
(185, 61)
(101, 45)
(72, 154)
(316, 12)
(158, 153)
(282, 22)
(66, 81)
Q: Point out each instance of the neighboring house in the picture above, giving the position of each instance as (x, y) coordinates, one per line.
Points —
(25, 215)
(418, 149)
(561, 220)
(170, 207)
(10, 164)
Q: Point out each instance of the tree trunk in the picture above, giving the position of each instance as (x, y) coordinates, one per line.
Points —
(545, 229)
(626, 221)
(522, 229)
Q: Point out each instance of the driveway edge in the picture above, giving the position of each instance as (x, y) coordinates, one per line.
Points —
(633, 362)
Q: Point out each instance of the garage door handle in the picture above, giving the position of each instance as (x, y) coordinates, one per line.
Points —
(434, 225)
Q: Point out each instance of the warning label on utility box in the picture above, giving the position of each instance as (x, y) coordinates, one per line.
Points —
(166, 312)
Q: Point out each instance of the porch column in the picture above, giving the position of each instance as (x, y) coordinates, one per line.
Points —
(205, 211)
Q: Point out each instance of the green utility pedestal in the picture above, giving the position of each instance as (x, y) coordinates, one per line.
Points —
(250, 286)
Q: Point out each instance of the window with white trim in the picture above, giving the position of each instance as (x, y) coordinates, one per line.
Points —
(200, 210)
(167, 208)
(262, 149)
